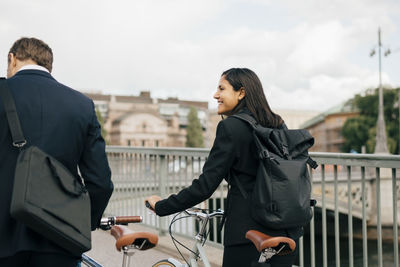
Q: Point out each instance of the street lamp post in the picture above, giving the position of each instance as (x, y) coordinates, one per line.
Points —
(381, 140)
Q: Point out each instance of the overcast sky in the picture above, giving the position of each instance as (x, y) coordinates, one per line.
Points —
(309, 54)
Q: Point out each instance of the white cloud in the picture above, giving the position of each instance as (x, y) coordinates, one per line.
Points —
(316, 10)
(179, 48)
(318, 46)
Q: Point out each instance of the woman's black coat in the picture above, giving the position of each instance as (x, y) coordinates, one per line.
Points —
(233, 149)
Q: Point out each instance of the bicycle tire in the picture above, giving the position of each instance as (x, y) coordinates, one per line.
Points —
(165, 263)
(88, 261)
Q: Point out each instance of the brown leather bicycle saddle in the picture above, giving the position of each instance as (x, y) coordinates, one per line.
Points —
(127, 237)
(263, 241)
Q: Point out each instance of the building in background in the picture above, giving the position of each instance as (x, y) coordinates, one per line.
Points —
(145, 121)
(295, 118)
(326, 127)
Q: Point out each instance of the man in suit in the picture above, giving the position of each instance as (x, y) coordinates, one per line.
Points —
(63, 123)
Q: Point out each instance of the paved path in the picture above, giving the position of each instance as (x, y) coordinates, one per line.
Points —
(104, 251)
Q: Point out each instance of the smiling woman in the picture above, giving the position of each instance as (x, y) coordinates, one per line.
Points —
(233, 154)
(243, 89)
(227, 97)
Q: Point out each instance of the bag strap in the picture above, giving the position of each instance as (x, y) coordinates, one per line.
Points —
(222, 222)
(247, 118)
(263, 151)
(239, 184)
(242, 191)
(12, 115)
(313, 164)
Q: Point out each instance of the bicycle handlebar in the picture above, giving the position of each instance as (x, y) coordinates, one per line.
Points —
(107, 222)
(128, 219)
(196, 212)
(202, 215)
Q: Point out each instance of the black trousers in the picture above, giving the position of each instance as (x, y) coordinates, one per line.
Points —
(37, 259)
(246, 255)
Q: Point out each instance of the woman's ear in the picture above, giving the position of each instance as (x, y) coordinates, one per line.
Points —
(242, 93)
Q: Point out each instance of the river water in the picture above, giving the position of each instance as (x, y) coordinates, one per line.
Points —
(372, 246)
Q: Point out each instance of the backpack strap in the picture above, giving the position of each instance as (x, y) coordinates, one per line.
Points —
(253, 123)
(250, 120)
(247, 118)
(313, 164)
(240, 186)
(263, 152)
(230, 174)
(242, 191)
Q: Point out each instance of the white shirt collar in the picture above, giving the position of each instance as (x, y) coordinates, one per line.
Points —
(33, 67)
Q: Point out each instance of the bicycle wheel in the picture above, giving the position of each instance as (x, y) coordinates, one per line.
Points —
(88, 261)
(168, 263)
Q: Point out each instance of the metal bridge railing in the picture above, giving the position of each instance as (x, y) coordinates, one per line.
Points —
(364, 188)
(360, 182)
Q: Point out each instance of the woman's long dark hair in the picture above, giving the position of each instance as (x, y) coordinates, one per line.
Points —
(255, 99)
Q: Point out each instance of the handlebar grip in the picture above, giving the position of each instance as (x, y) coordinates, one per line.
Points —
(128, 219)
(148, 205)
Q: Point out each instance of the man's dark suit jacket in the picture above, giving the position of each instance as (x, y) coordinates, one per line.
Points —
(62, 122)
(233, 149)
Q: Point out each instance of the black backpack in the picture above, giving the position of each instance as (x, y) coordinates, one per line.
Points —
(281, 196)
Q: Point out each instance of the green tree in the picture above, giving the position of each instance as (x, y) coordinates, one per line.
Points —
(361, 130)
(101, 122)
(194, 131)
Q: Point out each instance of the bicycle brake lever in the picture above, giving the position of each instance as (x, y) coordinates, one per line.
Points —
(105, 227)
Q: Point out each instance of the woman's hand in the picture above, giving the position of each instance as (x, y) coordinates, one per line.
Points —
(152, 200)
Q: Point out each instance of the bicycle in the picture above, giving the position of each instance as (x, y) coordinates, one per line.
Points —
(129, 242)
(126, 240)
(268, 246)
(197, 252)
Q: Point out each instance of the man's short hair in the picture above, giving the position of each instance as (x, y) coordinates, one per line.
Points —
(34, 49)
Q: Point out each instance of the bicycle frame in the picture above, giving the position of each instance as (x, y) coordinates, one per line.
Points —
(198, 250)
(88, 261)
(268, 246)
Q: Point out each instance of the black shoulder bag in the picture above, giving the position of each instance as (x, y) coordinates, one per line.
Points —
(46, 197)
